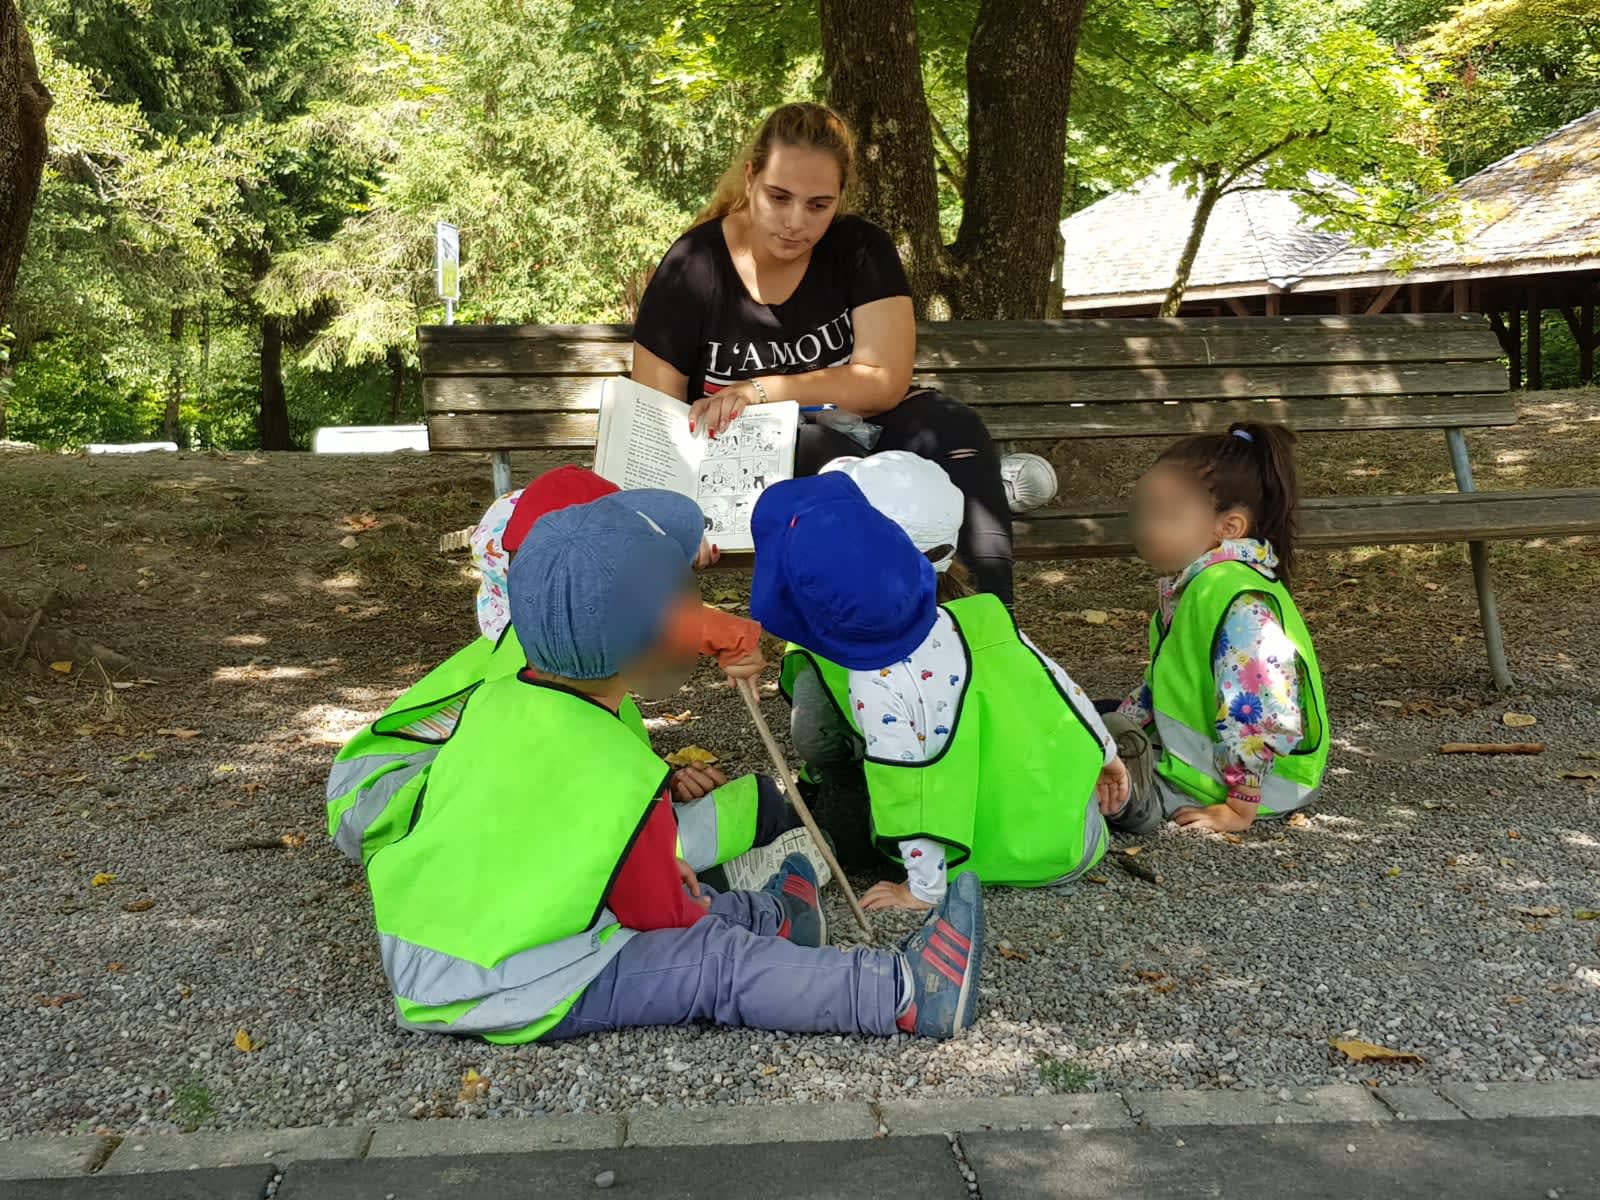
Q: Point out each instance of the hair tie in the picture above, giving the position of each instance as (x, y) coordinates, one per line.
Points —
(1243, 434)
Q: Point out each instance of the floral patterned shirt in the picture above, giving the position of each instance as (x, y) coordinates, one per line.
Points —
(1258, 688)
(492, 561)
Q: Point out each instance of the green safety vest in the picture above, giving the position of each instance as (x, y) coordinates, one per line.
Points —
(1183, 691)
(490, 908)
(1012, 793)
(377, 776)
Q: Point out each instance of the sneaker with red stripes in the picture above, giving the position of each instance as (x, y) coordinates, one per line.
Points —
(943, 959)
(795, 886)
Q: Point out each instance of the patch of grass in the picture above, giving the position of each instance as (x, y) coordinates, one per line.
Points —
(192, 1105)
(1060, 1076)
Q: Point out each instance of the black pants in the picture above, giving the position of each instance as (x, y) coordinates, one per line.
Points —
(934, 426)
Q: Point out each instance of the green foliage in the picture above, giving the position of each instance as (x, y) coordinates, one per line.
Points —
(1061, 1076)
(192, 1105)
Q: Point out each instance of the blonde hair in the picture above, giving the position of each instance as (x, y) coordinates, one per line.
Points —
(813, 126)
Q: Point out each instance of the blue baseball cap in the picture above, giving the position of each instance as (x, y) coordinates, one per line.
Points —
(594, 585)
(836, 576)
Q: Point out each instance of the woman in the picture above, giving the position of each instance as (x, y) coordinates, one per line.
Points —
(773, 295)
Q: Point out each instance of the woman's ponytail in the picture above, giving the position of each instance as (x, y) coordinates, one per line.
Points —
(1251, 467)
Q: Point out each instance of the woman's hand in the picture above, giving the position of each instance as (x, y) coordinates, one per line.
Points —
(716, 412)
(892, 895)
(748, 667)
(1113, 788)
(691, 783)
(707, 555)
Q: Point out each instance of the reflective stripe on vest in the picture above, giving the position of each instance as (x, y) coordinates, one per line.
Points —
(719, 827)
(1183, 691)
(1011, 794)
(490, 908)
(369, 785)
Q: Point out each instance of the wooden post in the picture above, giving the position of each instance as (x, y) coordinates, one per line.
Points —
(1458, 293)
(1535, 340)
(1415, 297)
(1342, 301)
(1382, 299)
(1514, 340)
(1272, 304)
(1586, 341)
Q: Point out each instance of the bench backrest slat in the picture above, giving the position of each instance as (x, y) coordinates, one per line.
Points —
(522, 387)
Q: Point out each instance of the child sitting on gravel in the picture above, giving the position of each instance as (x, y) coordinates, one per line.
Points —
(720, 821)
(537, 894)
(973, 751)
(1229, 722)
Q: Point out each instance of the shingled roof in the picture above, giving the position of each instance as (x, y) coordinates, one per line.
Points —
(1124, 249)
(1536, 210)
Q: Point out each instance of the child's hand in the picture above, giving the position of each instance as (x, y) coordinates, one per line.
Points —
(691, 881)
(892, 895)
(1215, 818)
(707, 556)
(1113, 788)
(691, 783)
(748, 667)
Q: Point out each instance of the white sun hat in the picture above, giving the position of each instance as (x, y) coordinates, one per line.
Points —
(914, 493)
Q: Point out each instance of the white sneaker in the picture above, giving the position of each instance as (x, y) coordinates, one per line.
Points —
(751, 870)
(1030, 481)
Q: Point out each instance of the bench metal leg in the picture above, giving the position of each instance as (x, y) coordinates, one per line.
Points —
(500, 470)
(1488, 609)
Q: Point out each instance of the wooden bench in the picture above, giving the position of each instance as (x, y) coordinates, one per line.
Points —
(502, 388)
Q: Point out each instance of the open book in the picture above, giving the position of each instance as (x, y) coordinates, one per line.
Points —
(644, 442)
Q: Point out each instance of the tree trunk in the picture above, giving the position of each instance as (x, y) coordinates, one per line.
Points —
(397, 383)
(869, 53)
(272, 423)
(1019, 74)
(24, 101)
(1210, 193)
(172, 419)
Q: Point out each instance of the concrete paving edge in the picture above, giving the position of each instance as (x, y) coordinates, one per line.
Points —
(70, 1157)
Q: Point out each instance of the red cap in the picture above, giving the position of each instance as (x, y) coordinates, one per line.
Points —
(561, 488)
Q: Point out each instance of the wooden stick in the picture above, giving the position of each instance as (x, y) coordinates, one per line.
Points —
(1492, 748)
(27, 636)
(747, 689)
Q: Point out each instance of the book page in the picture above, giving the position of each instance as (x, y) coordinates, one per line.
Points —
(644, 439)
(757, 450)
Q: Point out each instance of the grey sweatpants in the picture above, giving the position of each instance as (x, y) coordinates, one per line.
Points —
(731, 968)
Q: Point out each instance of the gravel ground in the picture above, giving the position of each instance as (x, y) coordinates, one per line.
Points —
(1432, 904)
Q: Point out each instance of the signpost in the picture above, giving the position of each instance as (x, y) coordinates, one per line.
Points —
(447, 267)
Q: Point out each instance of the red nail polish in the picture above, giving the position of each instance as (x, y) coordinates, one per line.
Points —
(691, 426)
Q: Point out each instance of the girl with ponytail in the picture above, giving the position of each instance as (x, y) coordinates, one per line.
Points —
(1229, 722)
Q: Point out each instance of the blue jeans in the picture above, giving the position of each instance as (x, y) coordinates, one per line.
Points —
(730, 968)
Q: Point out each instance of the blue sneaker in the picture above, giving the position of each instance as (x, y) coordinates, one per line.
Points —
(795, 887)
(943, 959)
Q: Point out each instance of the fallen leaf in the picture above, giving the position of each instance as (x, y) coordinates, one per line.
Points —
(1518, 720)
(360, 524)
(113, 966)
(473, 1086)
(1430, 805)
(1533, 927)
(224, 769)
(768, 1069)
(1537, 910)
(1580, 775)
(1016, 955)
(1151, 976)
(293, 840)
(183, 735)
(244, 1043)
(1585, 914)
(691, 756)
(1299, 820)
(58, 1001)
(123, 685)
(1513, 836)
(348, 542)
(1359, 1051)
(1233, 839)
(102, 878)
(64, 667)
(1131, 851)
(1392, 872)
(1100, 879)
(1590, 755)
(250, 788)
(1508, 862)
(1095, 616)
(1514, 999)
(1390, 704)
(1432, 587)
(138, 906)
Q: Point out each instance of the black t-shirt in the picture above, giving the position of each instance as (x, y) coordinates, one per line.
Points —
(698, 315)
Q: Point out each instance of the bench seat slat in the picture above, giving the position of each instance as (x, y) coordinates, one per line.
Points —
(1328, 522)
